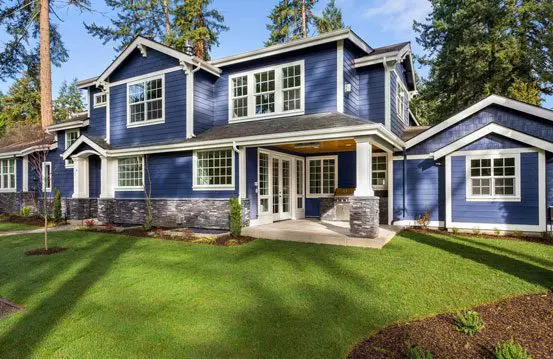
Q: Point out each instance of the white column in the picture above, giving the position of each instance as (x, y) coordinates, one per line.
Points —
(25, 172)
(106, 178)
(364, 167)
(242, 173)
(80, 177)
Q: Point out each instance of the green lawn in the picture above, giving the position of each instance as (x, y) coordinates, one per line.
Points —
(116, 296)
(8, 226)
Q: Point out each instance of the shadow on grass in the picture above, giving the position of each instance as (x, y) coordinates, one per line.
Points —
(44, 318)
(518, 268)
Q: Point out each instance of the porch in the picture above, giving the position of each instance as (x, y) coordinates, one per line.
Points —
(321, 232)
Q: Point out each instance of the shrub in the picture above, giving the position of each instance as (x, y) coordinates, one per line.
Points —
(455, 230)
(147, 226)
(424, 220)
(511, 350)
(57, 206)
(517, 233)
(90, 223)
(468, 322)
(476, 230)
(25, 211)
(417, 352)
(110, 227)
(235, 217)
(496, 231)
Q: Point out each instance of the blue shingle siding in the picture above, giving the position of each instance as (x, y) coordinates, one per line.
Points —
(397, 123)
(97, 121)
(136, 65)
(62, 178)
(204, 84)
(530, 125)
(94, 175)
(424, 190)
(351, 100)
(493, 142)
(524, 212)
(371, 93)
(320, 79)
(174, 127)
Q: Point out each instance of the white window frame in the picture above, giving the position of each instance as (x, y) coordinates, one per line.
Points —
(401, 92)
(267, 196)
(3, 187)
(279, 103)
(97, 103)
(308, 176)
(44, 187)
(385, 185)
(492, 197)
(129, 188)
(146, 122)
(210, 187)
(68, 162)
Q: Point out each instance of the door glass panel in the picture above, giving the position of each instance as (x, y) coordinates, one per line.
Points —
(299, 184)
(285, 186)
(275, 185)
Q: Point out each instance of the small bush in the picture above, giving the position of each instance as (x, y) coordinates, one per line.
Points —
(424, 220)
(468, 322)
(417, 352)
(235, 217)
(455, 230)
(476, 230)
(517, 233)
(110, 227)
(57, 206)
(496, 231)
(511, 350)
(90, 223)
(146, 226)
(25, 211)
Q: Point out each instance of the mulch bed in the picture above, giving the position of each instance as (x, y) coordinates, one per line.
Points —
(43, 252)
(7, 308)
(30, 221)
(510, 237)
(527, 319)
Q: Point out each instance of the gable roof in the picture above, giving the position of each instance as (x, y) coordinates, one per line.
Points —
(141, 43)
(96, 143)
(488, 101)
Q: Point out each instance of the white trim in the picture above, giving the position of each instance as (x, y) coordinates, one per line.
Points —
(44, 188)
(413, 223)
(242, 173)
(197, 187)
(448, 201)
(108, 115)
(102, 104)
(414, 117)
(496, 152)
(146, 122)
(278, 93)
(385, 186)
(25, 173)
(9, 189)
(189, 102)
(67, 125)
(67, 164)
(397, 56)
(332, 36)
(490, 100)
(542, 190)
(118, 188)
(81, 140)
(340, 76)
(308, 193)
(390, 183)
(492, 197)
(387, 98)
(413, 157)
(494, 226)
(145, 76)
(498, 129)
(141, 41)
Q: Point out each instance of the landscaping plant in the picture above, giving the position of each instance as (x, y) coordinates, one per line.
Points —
(90, 223)
(424, 220)
(511, 350)
(417, 352)
(235, 217)
(57, 206)
(468, 322)
(25, 211)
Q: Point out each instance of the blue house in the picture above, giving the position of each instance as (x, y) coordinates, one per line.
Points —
(317, 127)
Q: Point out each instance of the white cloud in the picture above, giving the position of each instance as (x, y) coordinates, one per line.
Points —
(398, 15)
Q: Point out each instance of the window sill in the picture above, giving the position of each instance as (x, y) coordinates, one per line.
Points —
(267, 116)
(320, 195)
(8, 190)
(145, 123)
(100, 106)
(493, 199)
(213, 188)
(129, 189)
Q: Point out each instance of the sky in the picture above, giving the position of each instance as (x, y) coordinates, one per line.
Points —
(378, 22)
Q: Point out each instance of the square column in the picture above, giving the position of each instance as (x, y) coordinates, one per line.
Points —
(80, 177)
(364, 151)
(107, 178)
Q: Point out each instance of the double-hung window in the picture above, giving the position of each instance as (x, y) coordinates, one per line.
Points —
(130, 173)
(493, 178)
(379, 172)
(214, 169)
(400, 100)
(100, 99)
(274, 91)
(145, 102)
(47, 176)
(7, 175)
(322, 174)
(70, 137)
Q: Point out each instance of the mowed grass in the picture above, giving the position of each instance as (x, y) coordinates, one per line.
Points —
(8, 227)
(115, 296)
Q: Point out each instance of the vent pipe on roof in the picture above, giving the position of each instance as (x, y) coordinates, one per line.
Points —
(189, 48)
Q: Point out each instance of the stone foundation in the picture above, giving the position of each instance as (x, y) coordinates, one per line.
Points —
(246, 212)
(10, 202)
(81, 208)
(364, 217)
(383, 205)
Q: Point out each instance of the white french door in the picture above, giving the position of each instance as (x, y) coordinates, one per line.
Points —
(281, 188)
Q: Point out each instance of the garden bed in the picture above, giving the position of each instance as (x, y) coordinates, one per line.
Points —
(29, 220)
(527, 319)
(45, 252)
(7, 308)
(535, 239)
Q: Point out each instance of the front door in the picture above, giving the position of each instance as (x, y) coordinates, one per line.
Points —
(281, 188)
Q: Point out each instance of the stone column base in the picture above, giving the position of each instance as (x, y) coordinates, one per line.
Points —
(81, 208)
(106, 210)
(364, 217)
(246, 215)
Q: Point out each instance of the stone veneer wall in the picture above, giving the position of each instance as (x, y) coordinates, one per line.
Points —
(364, 217)
(81, 208)
(10, 202)
(382, 205)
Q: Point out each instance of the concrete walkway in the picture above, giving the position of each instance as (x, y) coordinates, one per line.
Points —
(314, 231)
(63, 228)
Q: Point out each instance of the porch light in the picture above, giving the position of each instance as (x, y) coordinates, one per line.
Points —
(308, 145)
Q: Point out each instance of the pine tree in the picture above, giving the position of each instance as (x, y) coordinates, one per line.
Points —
(22, 101)
(331, 19)
(68, 102)
(290, 20)
(478, 48)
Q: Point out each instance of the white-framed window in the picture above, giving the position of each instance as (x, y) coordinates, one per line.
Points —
(493, 177)
(300, 183)
(100, 99)
(267, 92)
(400, 99)
(145, 102)
(213, 170)
(379, 171)
(47, 176)
(263, 182)
(322, 176)
(130, 173)
(7, 175)
(70, 137)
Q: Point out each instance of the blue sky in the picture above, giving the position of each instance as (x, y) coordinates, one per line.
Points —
(379, 22)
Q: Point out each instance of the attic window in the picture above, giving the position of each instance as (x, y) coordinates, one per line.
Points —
(100, 99)
(145, 102)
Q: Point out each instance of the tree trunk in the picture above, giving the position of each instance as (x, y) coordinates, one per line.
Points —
(167, 20)
(45, 66)
(303, 20)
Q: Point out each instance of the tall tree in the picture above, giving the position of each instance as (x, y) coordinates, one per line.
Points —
(22, 101)
(479, 47)
(68, 102)
(331, 19)
(290, 20)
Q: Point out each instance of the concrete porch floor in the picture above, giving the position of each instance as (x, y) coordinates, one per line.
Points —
(323, 232)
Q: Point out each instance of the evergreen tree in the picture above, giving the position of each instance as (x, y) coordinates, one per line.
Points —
(22, 101)
(68, 102)
(331, 19)
(476, 48)
(290, 20)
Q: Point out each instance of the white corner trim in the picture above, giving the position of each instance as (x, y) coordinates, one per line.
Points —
(493, 128)
(542, 192)
(189, 73)
(242, 183)
(108, 115)
(340, 76)
(390, 181)
(448, 204)
(493, 99)
(387, 98)
(25, 174)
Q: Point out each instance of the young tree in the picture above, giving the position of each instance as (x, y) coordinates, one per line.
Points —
(68, 102)
(476, 48)
(331, 19)
(290, 20)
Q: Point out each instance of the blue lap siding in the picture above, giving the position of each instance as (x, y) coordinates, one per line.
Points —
(526, 211)
(371, 93)
(397, 122)
(137, 65)
(97, 121)
(94, 174)
(351, 100)
(204, 84)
